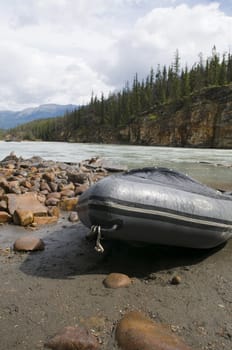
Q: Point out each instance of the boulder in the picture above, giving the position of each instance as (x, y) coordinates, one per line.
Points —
(136, 331)
(73, 338)
(23, 217)
(26, 201)
(28, 243)
(116, 280)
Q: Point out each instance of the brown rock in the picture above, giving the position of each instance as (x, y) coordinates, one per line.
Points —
(26, 201)
(5, 217)
(26, 184)
(44, 186)
(44, 220)
(176, 280)
(49, 176)
(33, 169)
(136, 331)
(64, 187)
(28, 243)
(68, 204)
(116, 280)
(23, 217)
(73, 338)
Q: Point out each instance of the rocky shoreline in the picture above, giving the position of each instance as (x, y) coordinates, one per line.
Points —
(33, 191)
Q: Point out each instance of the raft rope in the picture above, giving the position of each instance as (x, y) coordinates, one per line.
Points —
(97, 229)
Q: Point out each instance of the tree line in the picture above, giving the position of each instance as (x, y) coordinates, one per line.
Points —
(164, 85)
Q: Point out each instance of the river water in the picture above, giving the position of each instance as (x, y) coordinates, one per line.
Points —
(211, 166)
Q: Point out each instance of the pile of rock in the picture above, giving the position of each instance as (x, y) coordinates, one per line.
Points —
(33, 191)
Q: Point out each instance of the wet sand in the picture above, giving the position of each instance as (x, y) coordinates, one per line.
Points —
(41, 292)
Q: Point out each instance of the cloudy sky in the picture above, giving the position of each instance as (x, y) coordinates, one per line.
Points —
(59, 51)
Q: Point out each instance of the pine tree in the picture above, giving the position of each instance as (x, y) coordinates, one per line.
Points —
(214, 66)
(185, 82)
(222, 76)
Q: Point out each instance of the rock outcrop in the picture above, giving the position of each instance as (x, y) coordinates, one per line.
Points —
(202, 120)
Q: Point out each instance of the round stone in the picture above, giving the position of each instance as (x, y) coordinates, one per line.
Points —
(136, 331)
(28, 243)
(116, 280)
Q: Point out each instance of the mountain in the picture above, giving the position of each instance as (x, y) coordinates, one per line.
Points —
(10, 119)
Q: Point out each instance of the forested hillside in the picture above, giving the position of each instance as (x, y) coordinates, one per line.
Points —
(152, 100)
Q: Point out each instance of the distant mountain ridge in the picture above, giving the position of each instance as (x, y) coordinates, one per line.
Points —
(11, 119)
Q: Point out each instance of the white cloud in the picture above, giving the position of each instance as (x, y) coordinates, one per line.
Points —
(155, 37)
(60, 50)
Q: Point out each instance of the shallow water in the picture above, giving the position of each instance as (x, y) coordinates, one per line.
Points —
(211, 166)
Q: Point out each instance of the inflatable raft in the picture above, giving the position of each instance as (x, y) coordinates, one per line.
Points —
(157, 205)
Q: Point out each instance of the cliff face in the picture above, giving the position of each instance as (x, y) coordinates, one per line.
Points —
(203, 121)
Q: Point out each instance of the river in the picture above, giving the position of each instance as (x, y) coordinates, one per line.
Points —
(211, 166)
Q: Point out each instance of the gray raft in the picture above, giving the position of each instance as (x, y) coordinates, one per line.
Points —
(157, 205)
